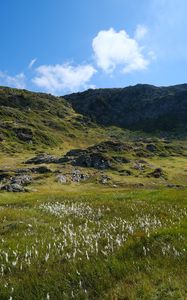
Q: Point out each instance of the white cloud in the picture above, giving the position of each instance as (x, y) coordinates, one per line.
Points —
(141, 31)
(112, 49)
(59, 78)
(17, 81)
(32, 62)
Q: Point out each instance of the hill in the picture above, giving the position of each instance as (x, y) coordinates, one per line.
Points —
(34, 121)
(141, 107)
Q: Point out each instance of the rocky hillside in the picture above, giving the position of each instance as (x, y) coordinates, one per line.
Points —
(33, 120)
(141, 107)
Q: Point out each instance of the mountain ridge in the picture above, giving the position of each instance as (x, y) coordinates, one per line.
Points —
(145, 107)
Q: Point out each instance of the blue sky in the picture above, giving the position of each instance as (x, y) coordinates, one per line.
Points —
(61, 46)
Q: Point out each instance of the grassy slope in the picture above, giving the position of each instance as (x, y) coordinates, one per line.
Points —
(54, 124)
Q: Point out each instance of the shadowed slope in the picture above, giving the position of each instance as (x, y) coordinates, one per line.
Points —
(140, 107)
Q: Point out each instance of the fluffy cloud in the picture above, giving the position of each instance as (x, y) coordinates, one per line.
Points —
(60, 78)
(112, 49)
(140, 32)
(17, 81)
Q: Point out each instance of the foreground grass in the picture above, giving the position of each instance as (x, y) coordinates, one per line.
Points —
(94, 245)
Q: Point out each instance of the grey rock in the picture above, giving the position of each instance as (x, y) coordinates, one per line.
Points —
(4, 175)
(24, 134)
(21, 180)
(151, 147)
(104, 179)
(139, 166)
(93, 160)
(61, 178)
(78, 176)
(41, 170)
(158, 173)
(42, 158)
(13, 187)
(174, 186)
(23, 171)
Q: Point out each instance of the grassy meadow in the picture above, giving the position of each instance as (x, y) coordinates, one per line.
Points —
(90, 244)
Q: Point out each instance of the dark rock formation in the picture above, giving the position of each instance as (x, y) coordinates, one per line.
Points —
(92, 160)
(140, 107)
(4, 175)
(13, 187)
(158, 173)
(24, 134)
(42, 158)
(151, 147)
(41, 170)
(21, 179)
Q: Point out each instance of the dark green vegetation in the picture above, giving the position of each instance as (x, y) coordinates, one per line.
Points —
(89, 211)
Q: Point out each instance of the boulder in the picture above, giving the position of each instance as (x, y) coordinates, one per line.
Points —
(24, 134)
(41, 170)
(23, 171)
(42, 158)
(93, 160)
(151, 147)
(21, 180)
(61, 178)
(4, 175)
(13, 187)
(174, 185)
(139, 166)
(104, 179)
(78, 176)
(157, 173)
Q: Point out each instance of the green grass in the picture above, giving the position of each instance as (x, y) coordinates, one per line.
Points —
(52, 251)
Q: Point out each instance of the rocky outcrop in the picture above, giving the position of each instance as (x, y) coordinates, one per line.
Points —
(17, 183)
(24, 134)
(158, 173)
(92, 160)
(4, 174)
(151, 147)
(61, 178)
(21, 179)
(78, 176)
(41, 170)
(42, 159)
(104, 179)
(74, 176)
(13, 187)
